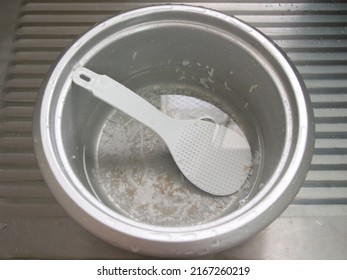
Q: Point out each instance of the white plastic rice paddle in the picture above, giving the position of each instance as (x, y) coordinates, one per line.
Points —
(214, 158)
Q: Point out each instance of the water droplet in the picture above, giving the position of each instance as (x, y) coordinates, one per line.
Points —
(51, 81)
(216, 243)
(242, 202)
(134, 249)
(77, 45)
(3, 225)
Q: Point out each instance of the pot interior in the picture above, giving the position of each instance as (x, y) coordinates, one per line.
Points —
(187, 71)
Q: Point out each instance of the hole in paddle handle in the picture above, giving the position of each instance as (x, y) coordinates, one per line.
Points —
(85, 78)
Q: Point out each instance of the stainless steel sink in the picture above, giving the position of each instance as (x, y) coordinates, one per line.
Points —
(33, 33)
